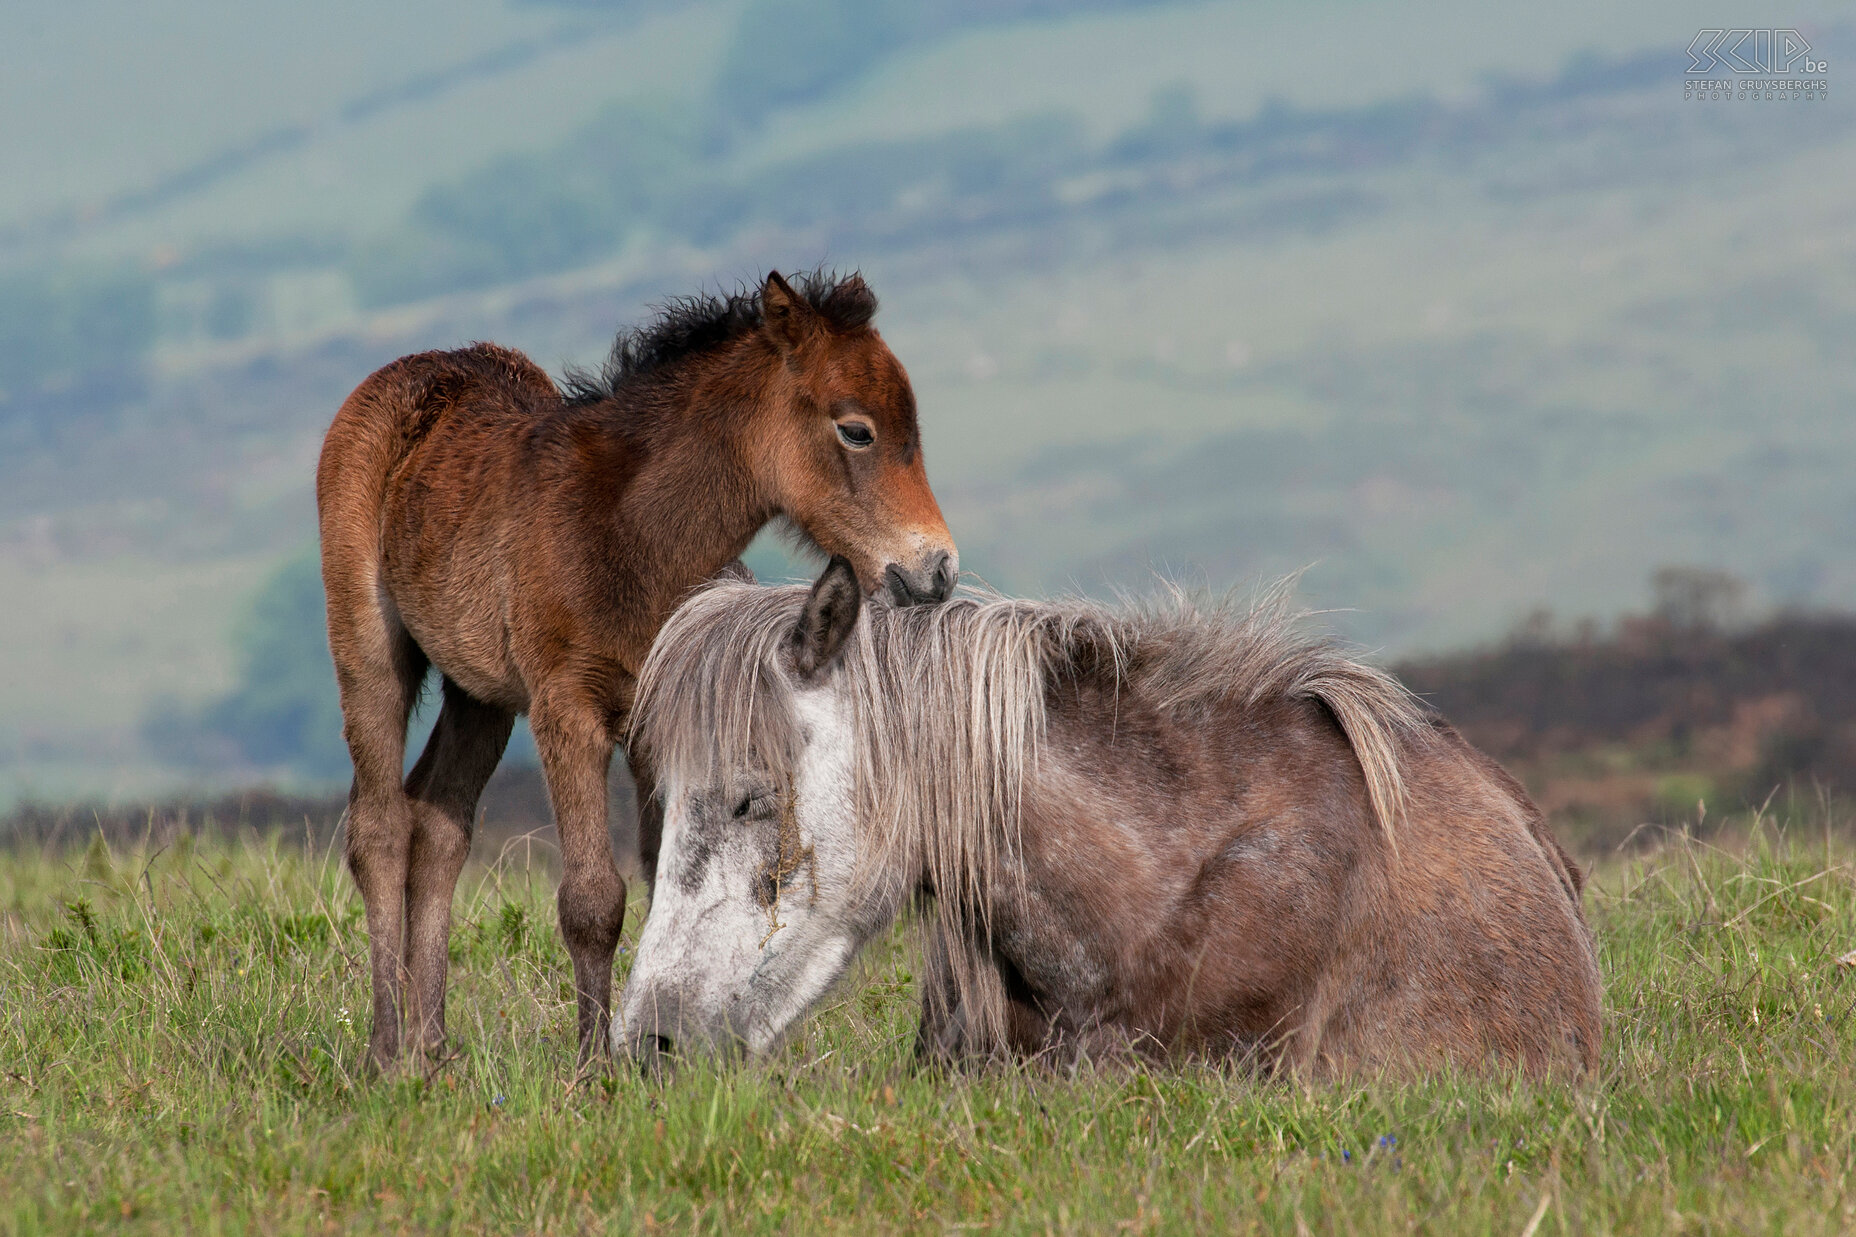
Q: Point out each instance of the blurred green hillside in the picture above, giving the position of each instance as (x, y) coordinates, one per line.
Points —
(1463, 305)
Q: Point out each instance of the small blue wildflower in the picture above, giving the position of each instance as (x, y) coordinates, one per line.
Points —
(498, 1101)
(1388, 1140)
(1346, 1155)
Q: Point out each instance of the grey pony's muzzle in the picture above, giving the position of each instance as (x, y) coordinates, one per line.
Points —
(662, 1032)
(651, 1035)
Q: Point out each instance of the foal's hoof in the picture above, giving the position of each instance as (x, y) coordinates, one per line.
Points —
(422, 1063)
(383, 1060)
(431, 1060)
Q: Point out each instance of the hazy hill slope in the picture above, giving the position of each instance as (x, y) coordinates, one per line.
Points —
(1462, 351)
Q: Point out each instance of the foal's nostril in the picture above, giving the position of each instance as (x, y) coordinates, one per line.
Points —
(660, 1044)
(941, 579)
(898, 585)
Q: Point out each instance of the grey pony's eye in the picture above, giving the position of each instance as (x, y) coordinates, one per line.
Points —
(855, 434)
(741, 808)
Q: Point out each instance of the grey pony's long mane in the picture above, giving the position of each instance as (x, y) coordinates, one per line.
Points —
(949, 707)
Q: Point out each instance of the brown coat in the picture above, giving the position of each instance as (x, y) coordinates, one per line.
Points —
(529, 546)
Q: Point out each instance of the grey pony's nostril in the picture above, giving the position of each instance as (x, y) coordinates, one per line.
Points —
(653, 1053)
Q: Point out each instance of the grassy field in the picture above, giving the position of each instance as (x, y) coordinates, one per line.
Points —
(181, 1032)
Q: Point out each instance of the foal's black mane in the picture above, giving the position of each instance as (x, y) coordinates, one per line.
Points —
(688, 325)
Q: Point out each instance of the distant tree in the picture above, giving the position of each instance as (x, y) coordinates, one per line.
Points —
(1697, 598)
(1535, 629)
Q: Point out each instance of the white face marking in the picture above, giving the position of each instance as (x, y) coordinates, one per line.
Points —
(715, 965)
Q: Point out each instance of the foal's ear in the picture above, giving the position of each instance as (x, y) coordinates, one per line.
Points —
(826, 621)
(784, 314)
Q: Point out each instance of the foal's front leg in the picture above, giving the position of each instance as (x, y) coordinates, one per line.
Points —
(576, 751)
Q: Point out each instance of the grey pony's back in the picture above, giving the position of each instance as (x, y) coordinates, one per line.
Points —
(1257, 653)
(1466, 943)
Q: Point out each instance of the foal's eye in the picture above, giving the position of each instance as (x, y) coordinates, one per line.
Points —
(855, 434)
(741, 808)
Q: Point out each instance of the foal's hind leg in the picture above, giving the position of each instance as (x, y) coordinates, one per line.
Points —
(378, 668)
(444, 787)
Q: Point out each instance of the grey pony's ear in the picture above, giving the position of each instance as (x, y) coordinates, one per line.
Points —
(785, 315)
(826, 621)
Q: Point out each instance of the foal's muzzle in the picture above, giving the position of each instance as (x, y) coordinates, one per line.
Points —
(932, 584)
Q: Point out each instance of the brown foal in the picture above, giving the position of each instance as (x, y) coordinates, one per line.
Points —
(529, 545)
